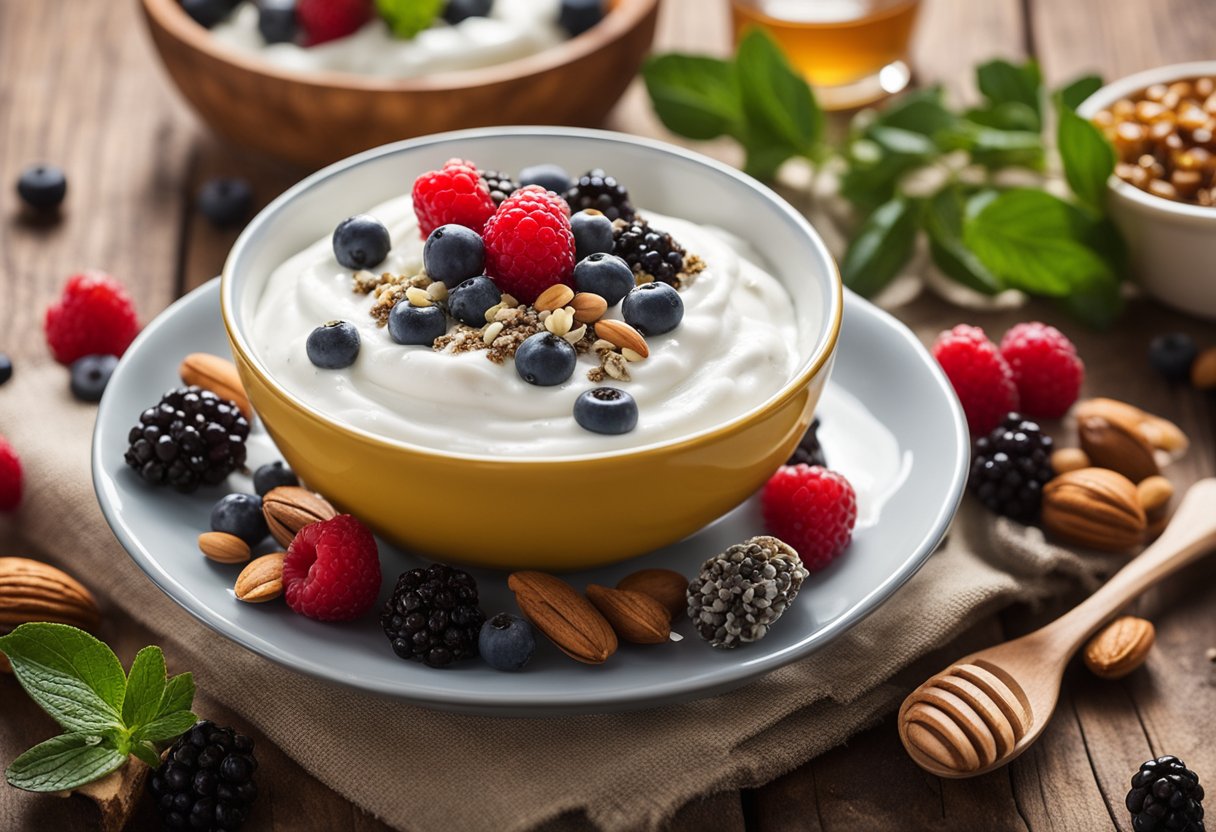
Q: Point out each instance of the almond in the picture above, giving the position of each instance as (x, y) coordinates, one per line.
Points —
(1160, 433)
(218, 375)
(1155, 493)
(222, 547)
(1064, 460)
(1203, 371)
(555, 297)
(1117, 445)
(261, 580)
(567, 618)
(34, 591)
(588, 307)
(622, 335)
(290, 508)
(1094, 507)
(1120, 647)
(637, 618)
(668, 587)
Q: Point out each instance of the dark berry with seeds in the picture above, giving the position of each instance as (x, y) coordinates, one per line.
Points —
(42, 187)
(550, 177)
(653, 308)
(809, 450)
(192, 437)
(545, 359)
(1010, 466)
(416, 326)
(453, 253)
(592, 234)
(1166, 795)
(333, 345)
(649, 251)
(207, 780)
(434, 616)
(90, 376)
(606, 410)
(361, 242)
(240, 515)
(506, 642)
(500, 185)
(470, 301)
(1172, 355)
(596, 189)
(273, 475)
(225, 201)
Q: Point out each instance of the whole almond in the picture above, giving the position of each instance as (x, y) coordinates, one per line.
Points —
(622, 335)
(1064, 460)
(218, 375)
(222, 547)
(588, 307)
(1120, 647)
(555, 297)
(31, 590)
(261, 580)
(637, 618)
(567, 618)
(1160, 433)
(1094, 507)
(1203, 371)
(1117, 445)
(290, 508)
(666, 586)
(1154, 493)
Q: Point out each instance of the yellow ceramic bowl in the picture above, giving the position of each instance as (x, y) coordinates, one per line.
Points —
(537, 512)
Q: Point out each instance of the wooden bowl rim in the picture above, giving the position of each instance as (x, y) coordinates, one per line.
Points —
(623, 18)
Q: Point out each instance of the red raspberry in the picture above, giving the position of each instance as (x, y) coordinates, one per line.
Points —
(812, 509)
(93, 316)
(981, 378)
(555, 201)
(529, 245)
(332, 570)
(456, 194)
(10, 477)
(326, 20)
(1046, 369)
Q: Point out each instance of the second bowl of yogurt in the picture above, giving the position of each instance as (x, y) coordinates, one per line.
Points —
(453, 455)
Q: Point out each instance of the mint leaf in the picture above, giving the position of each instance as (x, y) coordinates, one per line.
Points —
(776, 99)
(943, 222)
(1000, 81)
(145, 686)
(64, 762)
(1098, 302)
(695, 96)
(1088, 158)
(882, 246)
(923, 111)
(1071, 95)
(165, 727)
(409, 17)
(1008, 115)
(178, 695)
(995, 148)
(876, 165)
(898, 141)
(73, 676)
(147, 752)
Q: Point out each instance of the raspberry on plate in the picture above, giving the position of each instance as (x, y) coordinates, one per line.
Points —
(93, 316)
(979, 374)
(10, 477)
(555, 201)
(813, 510)
(529, 245)
(454, 194)
(325, 20)
(1046, 369)
(332, 570)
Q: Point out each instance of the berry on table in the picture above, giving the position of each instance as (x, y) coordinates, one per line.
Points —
(332, 570)
(605, 275)
(809, 450)
(550, 177)
(500, 185)
(979, 374)
(1046, 369)
(90, 375)
(649, 251)
(740, 594)
(455, 193)
(434, 616)
(6, 368)
(333, 345)
(529, 246)
(1010, 466)
(470, 300)
(556, 202)
(417, 326)
(226, 201)
(192, 437)
(1166, 795)
(11, 477)
(361, 242)
(240, 515)
(545, 359)
(206, 781)
(207, 13)
(1172, 355)
(653, 308)
(93, 316)
(577, 16)
(453, 253)
(596, 189)
(606, 410)
(459, 10)
(277, 20)
(324, 20)
(42, 187)
(273, 475)
(813, 510)
(506, 642)
(592, 234)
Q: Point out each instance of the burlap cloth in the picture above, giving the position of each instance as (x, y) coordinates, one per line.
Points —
(426, 771)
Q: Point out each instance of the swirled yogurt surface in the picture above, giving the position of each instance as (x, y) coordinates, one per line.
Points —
(736, 346)
(514, 29)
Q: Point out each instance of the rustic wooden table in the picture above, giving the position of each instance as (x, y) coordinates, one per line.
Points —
(80, 87)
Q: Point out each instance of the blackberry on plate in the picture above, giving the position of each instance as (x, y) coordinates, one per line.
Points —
(1166, 794)
(501, 185)
(596, 189)
(206, 782)
(1010, 466)
(809, 451)
(192, 437)
(649, 251)
(433, 616)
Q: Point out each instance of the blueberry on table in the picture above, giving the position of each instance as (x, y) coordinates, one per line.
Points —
(550, 177)
(592, 233)
(240, 515)
(458, 10)
(42, 187)
(6, 368)
(90, 375)
(545, 359)
(470, 301)
(277, 20)
(273, 475)
(653, 308)
(1172, 355)
(577, 16)
(506, 642)
(361, 242)
(208, 13)
(605, 275)
(225, 201)
(606, 410)
(417, 326)
(333, 346)
(453, 253)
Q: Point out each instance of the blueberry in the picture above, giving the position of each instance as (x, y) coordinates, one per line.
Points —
(592, 233)
(551, 177)
(333, 346)
(577, 16)
(90, 375)
(6, 368)
(653, 308)
(42, 187)
(1172, 355)
(506, 642)
(469, 301)
(453, 253)
(416, 325)
(361, 242)
(240, 515)
(273, 475)
(277, 20)
(604, 274)
(458, 10)
(207, 13)
(545, 359)
(606, 410)
(225, 201)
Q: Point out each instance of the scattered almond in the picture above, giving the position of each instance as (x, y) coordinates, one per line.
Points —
(666, 586)
(1203, 371)
(261, 580)
(588, 307)
(1160, 433)
(568, 619)
(622, 335)
(1120, 647)
(222, 547)
(637, 618)
(555, 297)
(1094, 507)
(290, 508)
(418, 297)
(1154, 493)
(31, 590)
(1064, 460)
(575, 335)
(1117, 445)
(218, 375)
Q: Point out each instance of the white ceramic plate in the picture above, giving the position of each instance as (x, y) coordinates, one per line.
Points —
(890, 424)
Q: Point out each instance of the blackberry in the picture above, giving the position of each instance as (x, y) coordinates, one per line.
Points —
(1010, 466)
(501, 185)
(1166, 795)
(809, 451)
(433, 616)
(596, 189)
(191, 438)
(206, 782)
(649, 251)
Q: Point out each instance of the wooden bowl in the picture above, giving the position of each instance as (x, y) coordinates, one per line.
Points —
(319, 117)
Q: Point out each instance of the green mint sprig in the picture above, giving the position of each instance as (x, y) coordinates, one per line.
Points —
(107, 715)
(409, 17)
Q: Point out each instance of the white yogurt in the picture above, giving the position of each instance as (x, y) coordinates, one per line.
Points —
(514, 29)
(736, 347)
